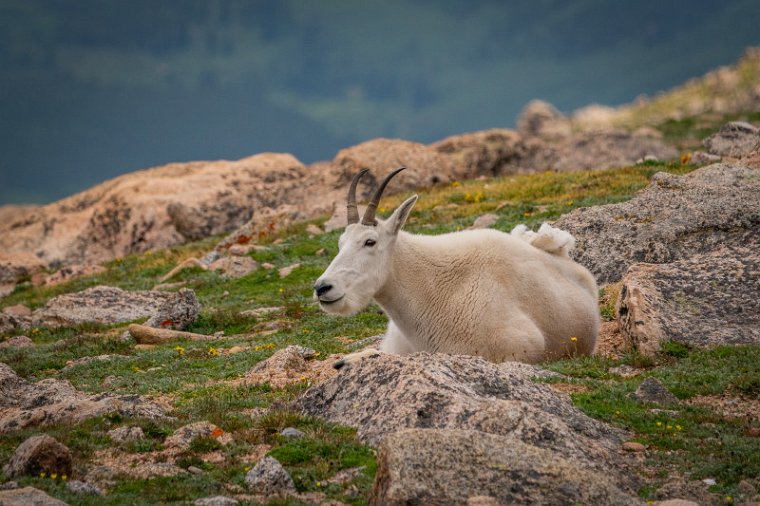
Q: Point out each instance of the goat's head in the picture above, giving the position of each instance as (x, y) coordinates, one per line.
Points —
(365, 253)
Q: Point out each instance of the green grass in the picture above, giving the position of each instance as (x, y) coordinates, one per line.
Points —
(193, 378)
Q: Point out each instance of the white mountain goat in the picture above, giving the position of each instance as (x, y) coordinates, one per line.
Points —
(500, 296)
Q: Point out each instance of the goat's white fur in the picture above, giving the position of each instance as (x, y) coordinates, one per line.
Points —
(501, 296)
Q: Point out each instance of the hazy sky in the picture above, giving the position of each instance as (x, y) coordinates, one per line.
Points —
(95, 88)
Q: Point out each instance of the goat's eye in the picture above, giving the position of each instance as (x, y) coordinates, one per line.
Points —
(369, 243)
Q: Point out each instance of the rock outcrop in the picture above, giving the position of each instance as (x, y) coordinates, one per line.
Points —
(51, 401)
(107, 305)
(674, 218)
(735, 139)
(390, 393)
(704, 300)
(40, 454)
(445, 466)
(28, 496)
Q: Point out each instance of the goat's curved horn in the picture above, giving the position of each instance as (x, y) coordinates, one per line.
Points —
(369, 214)
(351, 211)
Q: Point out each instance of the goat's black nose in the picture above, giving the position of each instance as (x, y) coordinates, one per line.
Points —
(322, 287)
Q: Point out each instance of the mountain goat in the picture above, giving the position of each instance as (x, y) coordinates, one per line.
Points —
(501, 296)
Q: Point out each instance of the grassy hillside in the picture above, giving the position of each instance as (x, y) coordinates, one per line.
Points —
(196, 377)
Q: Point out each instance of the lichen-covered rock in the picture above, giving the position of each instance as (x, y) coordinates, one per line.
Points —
(234, 266)
(83, 488)
(9, 323)
(288, 366)
(52, 401)
(177, 312)
(652, 390)
(39, 454)
(486, 153)
(100, 304)
(707, 299)
(28, 496)
(674, 218)
(444, 466)
(542, 119)
(389, 393)
(17, 342)
(735, 139)
(126, 434)
(184, 436)
(269, 478)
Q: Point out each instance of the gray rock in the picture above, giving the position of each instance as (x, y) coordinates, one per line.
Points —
(542, 119)
(708, 299)
(9, 323)
(17, 342)
(9, 485)
(194, 470)
(126, 434)
(702, 158)
(485, 221)
(17, 310)
(100, 304)
(389, 393)
(39, 454)
(444, 466)
(235, 266)
(83, 488)
(183, 436)
(177, 312)
(53, 401)
(28, 496)
(735, 139)
(652, 390)
(218, 500)
(292, 432)
(269, 478)
(674, 218)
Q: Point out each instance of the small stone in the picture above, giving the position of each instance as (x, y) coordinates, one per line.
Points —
(286, 271)
(235, 266)
(218, 500)
(269, 478)
(676, 502)
(702, 158)
(261, 311)
(9, 485)
(84, 488)
(485, 221)
(28, 496)
(647, 158)
(747, 487)
(321, 252)
(652, 390)
(633, 446)
(194, 470)
(6, 289)
(240, 250)
(126, 434)
(39, 454)
(183, 436)
(17, 342)
(210, 257)
(219, 334)
(267, 266)
(17, 310)
(292, 432)
(314, 229)
(709, 481)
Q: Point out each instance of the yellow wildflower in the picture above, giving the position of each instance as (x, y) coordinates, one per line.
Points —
(53, 476)
(573, 339)
(64, 477)
(456, 184)
(668, 427)
(527, 214)
(180, 350)
(42, 474)
(678, 427)
(685, 158)
(659, 424)
(213, 351)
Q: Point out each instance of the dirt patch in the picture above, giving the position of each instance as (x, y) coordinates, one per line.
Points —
(730, 406)
(611, 342)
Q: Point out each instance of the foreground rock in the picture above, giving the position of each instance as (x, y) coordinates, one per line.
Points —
(707, 299)
(390, 393)
(107, 305)
(289, 366)
(672, 219)
(28, 496)
(444, 466)
(53, 401)
(39, 454)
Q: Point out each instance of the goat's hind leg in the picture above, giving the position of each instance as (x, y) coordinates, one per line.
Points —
(394, 342)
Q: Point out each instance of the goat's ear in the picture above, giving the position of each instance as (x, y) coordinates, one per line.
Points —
(399, 216)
